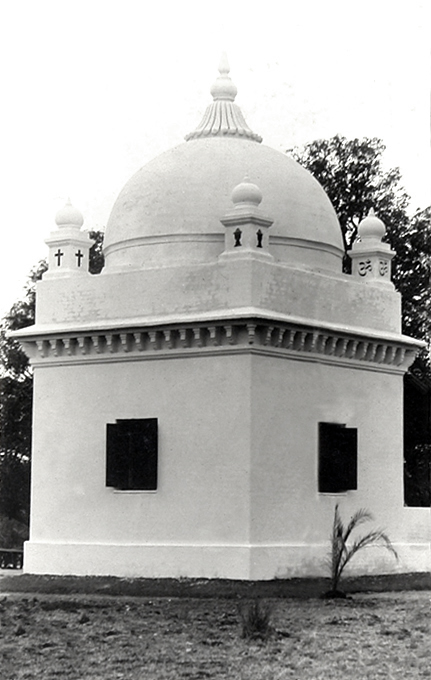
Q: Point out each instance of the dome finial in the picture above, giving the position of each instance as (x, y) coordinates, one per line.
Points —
(223, 117)
(224, 67)
(223, 88)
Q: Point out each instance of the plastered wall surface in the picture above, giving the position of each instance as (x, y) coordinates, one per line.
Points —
(237, 494)
(222, 288)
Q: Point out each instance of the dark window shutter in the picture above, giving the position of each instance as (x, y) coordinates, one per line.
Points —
(142, 434)
(116, 457)
(150, 445)
(337, 458)
(327, 434)
(132, 447)
(348, 447)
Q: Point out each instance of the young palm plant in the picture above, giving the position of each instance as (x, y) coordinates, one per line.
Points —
(343, 549)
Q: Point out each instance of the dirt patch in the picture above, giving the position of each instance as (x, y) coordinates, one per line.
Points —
(204, 588)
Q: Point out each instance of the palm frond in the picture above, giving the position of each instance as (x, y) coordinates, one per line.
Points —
(360, 517)
(377, 538)
(342, 551)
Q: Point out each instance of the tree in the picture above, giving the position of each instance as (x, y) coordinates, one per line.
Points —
(351, 172)
(16, 395)
(97, 259)
(412, 271)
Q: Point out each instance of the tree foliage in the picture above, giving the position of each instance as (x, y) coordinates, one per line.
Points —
(352, 174)
(16, 395)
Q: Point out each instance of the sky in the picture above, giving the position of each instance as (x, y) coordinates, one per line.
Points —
(92, 90)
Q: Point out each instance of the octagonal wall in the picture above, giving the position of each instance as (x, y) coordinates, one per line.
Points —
(203, 477)
(290, 520)
(237, 495)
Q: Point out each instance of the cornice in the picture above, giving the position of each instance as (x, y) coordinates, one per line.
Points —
(252, 335)
(235, 315)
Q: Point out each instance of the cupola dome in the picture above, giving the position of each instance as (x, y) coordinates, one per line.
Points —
(169, 212)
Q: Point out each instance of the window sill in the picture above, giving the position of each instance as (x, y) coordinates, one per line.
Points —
(132, 491)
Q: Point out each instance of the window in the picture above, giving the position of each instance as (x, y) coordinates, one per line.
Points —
(417, 438)
(131, 455)
(338, 458)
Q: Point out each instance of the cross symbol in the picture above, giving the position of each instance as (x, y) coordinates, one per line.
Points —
(58, 255)
(79, 255)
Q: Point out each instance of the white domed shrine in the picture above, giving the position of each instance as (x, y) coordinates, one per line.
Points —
(202, 404)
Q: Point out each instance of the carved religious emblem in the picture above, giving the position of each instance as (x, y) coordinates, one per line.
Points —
(365, 267)
(383, 267)
(58, 255)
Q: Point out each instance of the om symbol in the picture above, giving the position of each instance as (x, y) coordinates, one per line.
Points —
(383, 267)
(365, 267)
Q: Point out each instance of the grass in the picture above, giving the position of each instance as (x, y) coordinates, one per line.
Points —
(256, 620)
(95, 628)
(93, 638)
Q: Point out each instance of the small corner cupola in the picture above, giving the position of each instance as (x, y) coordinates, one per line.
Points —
(246, 226)
(371, 258)
(223, 117)
(69, 247)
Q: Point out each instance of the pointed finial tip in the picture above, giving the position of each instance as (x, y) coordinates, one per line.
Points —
(224, 67)
(224, 88)
(371, 212)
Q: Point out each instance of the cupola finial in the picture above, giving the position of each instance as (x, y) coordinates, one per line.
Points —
(246, 194)
(68, 216)
(69, 246)
(246, 234)
(371, 227)
(371, 257)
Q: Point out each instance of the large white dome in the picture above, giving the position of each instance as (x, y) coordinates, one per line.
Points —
(170, 210)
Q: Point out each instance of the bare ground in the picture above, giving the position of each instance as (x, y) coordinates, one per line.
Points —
(85, 635)
(16, 581)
